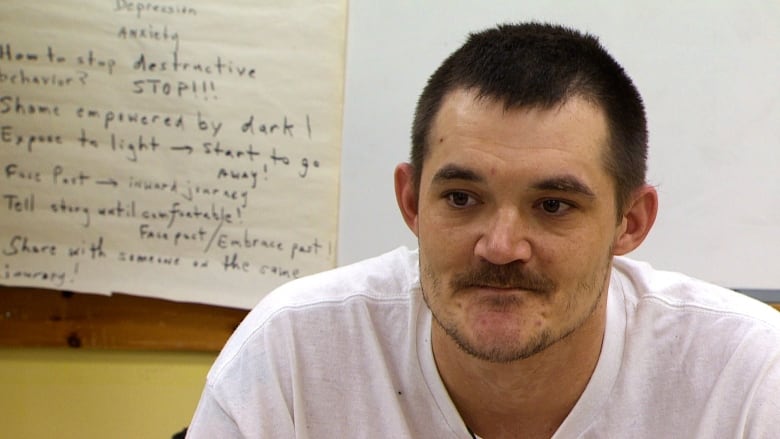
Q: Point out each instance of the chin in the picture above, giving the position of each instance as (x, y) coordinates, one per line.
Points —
(497, 341)
(507, 351)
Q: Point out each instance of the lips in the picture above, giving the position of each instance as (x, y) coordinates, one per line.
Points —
(503, 290)
(499, 299)
(504, 287)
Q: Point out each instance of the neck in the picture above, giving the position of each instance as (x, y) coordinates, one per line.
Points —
(529, 397)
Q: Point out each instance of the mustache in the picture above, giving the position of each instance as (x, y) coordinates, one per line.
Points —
(512, 275)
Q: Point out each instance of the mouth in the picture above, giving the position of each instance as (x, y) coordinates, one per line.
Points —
(494, 298)
(501, 298)
(504, 289)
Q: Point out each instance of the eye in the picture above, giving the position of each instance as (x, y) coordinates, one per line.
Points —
(460, 199)
(554, 207)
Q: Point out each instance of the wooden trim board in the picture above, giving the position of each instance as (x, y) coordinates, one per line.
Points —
(32, 317)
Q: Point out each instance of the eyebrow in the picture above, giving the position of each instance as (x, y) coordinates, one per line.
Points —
(455, 172)
(564, 183)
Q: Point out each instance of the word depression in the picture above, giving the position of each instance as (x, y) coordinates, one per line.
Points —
(158, 8)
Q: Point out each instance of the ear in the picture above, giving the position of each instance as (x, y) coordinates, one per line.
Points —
(638, 219)
(406, 195)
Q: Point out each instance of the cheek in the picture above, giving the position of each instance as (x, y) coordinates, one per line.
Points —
(445, 240)
(442, 256)
(571, 259)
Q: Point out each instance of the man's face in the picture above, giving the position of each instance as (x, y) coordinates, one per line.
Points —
(516, 223)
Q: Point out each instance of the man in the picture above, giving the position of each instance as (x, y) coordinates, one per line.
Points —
(517, 316)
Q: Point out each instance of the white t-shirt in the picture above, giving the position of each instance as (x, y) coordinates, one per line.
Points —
(347, 354)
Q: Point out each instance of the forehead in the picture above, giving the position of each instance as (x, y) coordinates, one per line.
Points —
(467, 128)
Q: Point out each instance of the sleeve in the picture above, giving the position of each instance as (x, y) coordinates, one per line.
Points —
(763, 421)
(232, 410)
(211, 421)
(248, 392)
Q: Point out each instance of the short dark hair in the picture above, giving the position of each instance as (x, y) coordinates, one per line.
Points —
(543, 65)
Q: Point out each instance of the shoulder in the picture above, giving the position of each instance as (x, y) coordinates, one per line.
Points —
(340, 300)
(705, 358)
(676, 293)
(384, 277)
(676, 318)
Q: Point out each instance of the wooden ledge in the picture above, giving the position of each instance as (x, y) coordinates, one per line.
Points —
(32, 317)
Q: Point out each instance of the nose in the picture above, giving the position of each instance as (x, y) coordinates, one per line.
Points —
(504, 239)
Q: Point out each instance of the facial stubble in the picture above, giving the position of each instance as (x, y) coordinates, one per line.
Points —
(517, 277)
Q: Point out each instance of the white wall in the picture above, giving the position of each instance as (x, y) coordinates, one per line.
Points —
(710, 75)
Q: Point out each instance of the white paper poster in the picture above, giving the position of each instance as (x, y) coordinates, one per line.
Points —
(181, 150)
